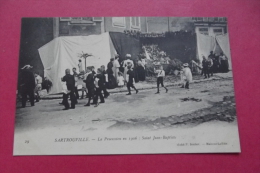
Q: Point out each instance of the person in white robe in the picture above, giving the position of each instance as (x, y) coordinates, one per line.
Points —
(116, 67)
(80, 66)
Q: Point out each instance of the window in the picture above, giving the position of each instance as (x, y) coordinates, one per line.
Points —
(135, 23)
(98, 19)
(205, 19)
(65, 18)
(204, 31)
(217, 30)
(215, 19)
(211, 19)
(82, 20)
(118, 21)
(195, 19)
(200, 18)
(76, 18)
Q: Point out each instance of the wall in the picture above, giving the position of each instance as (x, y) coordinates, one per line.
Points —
(164, 24)
(157, 24)
(78, 29)
(108, 24)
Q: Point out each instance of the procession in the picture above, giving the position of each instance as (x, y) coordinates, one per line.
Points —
(96, 83)
(123, 73)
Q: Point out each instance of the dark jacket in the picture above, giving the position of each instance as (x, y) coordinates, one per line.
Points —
(204, 63)
(70, 81)
(27, 79)
(90, 81)
(131, 76)
(101, 80)
(110, 68)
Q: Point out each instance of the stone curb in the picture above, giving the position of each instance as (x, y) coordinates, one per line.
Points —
(144, 88)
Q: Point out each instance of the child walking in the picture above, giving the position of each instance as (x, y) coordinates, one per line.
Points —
(187, 76)
(120, 79)
(130, 80)
(98, 88)
(160, 76)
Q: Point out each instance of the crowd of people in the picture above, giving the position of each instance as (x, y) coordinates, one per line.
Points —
(214, 64)
(96, 82)
(156, 54)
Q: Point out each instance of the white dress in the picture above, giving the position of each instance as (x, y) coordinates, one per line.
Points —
(120, 81)
(125, 66)
(116, 66)
(187, 74)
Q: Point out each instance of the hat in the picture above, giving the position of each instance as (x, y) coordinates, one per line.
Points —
(185, 65)
(128, 55)
(27, 67)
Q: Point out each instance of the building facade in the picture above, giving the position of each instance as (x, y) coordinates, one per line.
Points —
(75, 26)
(211, 26)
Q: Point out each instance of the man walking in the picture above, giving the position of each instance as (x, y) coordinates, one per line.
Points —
(210, 59)
(205, 68)
(75, 74)
(89, 85)
(70, 82)
(130, 80)
(27, 85)
(98, 88)
(104, 80)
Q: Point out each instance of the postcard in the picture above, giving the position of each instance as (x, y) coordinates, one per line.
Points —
(125, 85)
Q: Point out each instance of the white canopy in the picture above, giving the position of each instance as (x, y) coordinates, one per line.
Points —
(64, 52)
(207, 43)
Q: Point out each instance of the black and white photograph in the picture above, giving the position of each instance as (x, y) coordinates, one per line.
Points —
(125, 85)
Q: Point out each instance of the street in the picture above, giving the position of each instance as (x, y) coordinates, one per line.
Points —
(206, 101)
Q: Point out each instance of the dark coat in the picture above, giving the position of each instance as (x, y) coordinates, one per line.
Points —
(90, 81)
(101, 80)
(27, 80)
(204, 63)
(131, 76)
(70, 81)
(110, 68)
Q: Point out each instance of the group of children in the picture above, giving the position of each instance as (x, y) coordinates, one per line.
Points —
(95, 83)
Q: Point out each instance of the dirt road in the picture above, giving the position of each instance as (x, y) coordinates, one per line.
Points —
(206, 101)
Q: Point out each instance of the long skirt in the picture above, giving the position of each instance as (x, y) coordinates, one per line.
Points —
(141, 73)
(112, 83)
(224, 66)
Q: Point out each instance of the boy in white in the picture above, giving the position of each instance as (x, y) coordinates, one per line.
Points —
(187, 75)
(160, 76)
